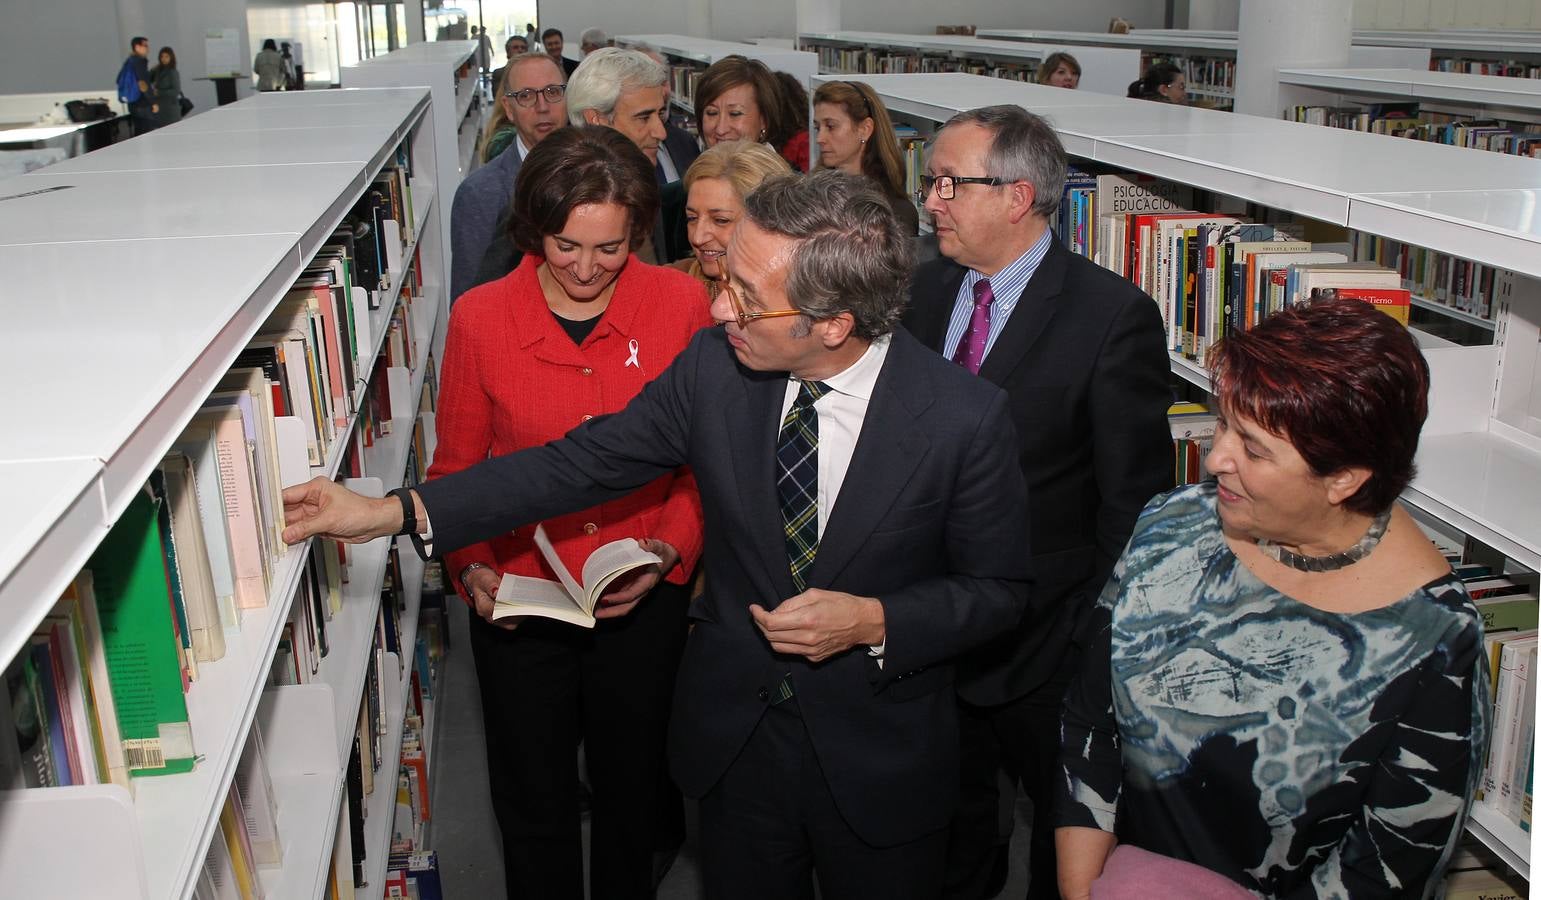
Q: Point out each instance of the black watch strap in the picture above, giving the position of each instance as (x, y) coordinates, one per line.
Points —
(408, 510)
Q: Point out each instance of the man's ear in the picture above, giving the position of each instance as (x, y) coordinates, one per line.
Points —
(837, 330)
(1022, 196)
(592, 117)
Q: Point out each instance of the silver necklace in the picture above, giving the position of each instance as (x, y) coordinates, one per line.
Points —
(1334, 561)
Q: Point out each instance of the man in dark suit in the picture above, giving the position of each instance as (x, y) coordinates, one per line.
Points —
(553, 41)
(1080, 352)
(865, 522)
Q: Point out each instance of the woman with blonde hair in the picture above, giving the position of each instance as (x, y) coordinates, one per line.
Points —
(855, 135)
(716, 184)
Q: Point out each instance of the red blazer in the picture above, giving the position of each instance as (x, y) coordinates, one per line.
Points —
(511, 378)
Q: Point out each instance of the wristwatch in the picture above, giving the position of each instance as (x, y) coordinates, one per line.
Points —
(408, 510)
(468, 570)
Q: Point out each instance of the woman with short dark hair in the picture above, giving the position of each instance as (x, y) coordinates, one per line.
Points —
(574, 332)
(1284, 685)
(741, 99)
(1163, 82)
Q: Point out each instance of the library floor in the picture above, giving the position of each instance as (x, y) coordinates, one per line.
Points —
(465, 835)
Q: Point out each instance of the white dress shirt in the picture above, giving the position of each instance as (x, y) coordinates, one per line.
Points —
(519, 146)
(841, 412)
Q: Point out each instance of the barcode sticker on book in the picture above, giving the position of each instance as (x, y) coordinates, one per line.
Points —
(144, 754)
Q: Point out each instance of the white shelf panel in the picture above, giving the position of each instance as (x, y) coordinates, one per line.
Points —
(449, 54)
(42, 834)
(1500, 227)
(350, 635)
(380, 804)
(1209, 43)
(57, 517)
(1511, 842)
(376, 96)
(368, 147)
(1422, 84)
(1188, 370)
(241, 118)
(1451, 312)
(1486, 486)
(308, 807)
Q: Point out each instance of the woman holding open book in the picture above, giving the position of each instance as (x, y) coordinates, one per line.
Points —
(574, 332)
(1284, 685)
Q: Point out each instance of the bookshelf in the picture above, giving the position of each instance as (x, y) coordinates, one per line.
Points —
(695, 54)
(1498, 93)
(1479, 463)
(207, 225)
(448, 70)
(1104, 70)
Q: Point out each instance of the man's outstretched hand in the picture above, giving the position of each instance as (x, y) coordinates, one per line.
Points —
(323, 508)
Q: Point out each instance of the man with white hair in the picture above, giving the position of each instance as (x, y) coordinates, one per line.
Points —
(592, 39)
(680, 148)
(627, 91)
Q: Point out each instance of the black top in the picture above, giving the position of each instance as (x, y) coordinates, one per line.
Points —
(578, 329)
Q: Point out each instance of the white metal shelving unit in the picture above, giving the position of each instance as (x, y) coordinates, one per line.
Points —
(1479, 464)
(435, 65)
(1105, 70)
(705, 51)
(148, 267)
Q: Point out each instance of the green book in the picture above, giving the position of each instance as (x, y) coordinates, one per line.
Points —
(1504, 612)
(133, 599)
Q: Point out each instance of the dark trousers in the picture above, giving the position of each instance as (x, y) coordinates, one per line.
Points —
(546, 686)
(770, 823)
(1023, 738)
(143, 120)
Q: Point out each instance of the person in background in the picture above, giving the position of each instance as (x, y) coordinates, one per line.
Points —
(679, 148)
(136, 70)
(543, 114)
(628, 91)
(529, 34)
(740, 99)
(483, 49)
(1060, 70)
(856, 136)
(794, 112)
(1081, 352)
(514, 46)
(291, 77)
(716, 184)
(575, 332)
(166, 89)
(592, 39)
(533, 103)
(552, 40)
(1285, 684)
(1162, 82)
(268, 67)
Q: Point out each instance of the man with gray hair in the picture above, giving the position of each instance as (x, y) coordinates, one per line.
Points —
(865, 525)
(1081, 353)
(592, 39)
(629, 92)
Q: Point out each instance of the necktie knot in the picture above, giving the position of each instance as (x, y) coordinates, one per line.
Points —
(809, 393)
(983, 296)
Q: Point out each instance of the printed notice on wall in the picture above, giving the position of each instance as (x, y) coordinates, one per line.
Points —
(222, 48)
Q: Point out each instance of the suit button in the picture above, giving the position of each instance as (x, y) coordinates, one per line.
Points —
(590, 528)
(585, 371)
(764, 695)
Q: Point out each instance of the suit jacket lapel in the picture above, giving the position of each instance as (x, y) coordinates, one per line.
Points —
(934, 302)
(753, 420)
(889, 449)
(1028, 318)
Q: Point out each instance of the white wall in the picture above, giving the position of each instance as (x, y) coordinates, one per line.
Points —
(60, 45)
(1447, 14)
(737, 19)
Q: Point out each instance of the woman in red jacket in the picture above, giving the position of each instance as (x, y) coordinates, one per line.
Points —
(574, 332)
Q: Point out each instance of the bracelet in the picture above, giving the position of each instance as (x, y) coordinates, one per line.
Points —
(408, 510)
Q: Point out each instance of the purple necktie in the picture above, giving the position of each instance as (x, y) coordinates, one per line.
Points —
(971, 348)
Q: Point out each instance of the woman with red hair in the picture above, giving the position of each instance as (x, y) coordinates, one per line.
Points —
(1284, 682)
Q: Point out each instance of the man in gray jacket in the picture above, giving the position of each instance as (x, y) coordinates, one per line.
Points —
(533, 97)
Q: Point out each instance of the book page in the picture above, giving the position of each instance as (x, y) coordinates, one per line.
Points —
(543, 543)
(520, 595)
(610, 562)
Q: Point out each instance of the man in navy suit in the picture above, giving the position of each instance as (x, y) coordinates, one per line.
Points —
(865, 525)
(526, 95)
(1080, 351)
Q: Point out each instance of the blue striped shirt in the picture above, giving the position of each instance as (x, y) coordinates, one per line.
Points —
(1007, 286)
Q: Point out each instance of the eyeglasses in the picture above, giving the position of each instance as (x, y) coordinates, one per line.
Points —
(526, 97)
(947, 185)
(744, 318)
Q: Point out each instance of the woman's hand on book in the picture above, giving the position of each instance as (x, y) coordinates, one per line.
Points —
(481, 584)
(626, 592)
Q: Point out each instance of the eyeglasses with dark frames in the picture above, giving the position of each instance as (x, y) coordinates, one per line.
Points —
(526, 97)
(947, 185)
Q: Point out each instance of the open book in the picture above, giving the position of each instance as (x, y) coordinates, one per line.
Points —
(566, 599)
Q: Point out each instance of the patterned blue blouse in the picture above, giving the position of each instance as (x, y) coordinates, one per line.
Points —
(1300, 753)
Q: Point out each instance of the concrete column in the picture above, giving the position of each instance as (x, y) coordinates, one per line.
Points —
(1213, 15)
(417, 30)
(1276, 35)
(698, 18)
